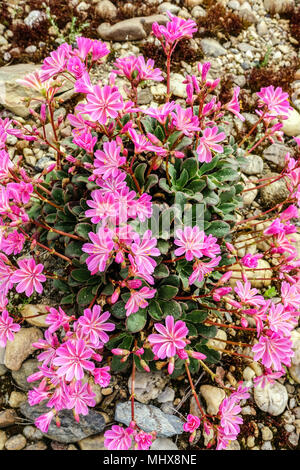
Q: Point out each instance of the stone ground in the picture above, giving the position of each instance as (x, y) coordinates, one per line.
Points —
(266, 43)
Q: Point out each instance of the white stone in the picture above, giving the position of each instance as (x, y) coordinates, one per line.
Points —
(291, 126)
(213, 397)
(272, 398)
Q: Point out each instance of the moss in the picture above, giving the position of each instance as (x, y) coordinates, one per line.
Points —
(220, 20)
(276, 76)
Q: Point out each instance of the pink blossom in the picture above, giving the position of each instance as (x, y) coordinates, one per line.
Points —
(99, 250)
(290, 295)
(185, 121)
(234, 105)
(137, 299)
(273, 350)
(103, 206)
(276, 101)
(107, 163)
(43, 422)
(142, 249)
(208, 143)
(49, 344)
(56, 63)
(171, 338)
(251, 261)
(220, 292)
(84, 46)
(28, 277)
(7, 328)
(268, 377)
(102, 376)
(57, 319)
(200, 269)
(161, 113)
(86, 141)
(118, 438)
(21, 192)
(103, 103)
(143, 440)
(248, 295)
(80, 397)
(192, 423)
(191, 241)
(279, 320)
(176, 29)
(94, 325)
(72, 357)
(13, 243)
(76, 67)
(38, 394)
(229, 419)
(99, 50)
(5, 164)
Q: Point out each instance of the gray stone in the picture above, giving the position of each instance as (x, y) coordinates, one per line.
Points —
(34, 18)
(92, 443)
(272, 398)
(32, 433)
(149, 418)
(130, 30)
(275, 154)
(3, 370)
(267, 445)
(40, 445)
(69, 430)
(148, 385)
(167, 395)
(252, 165)
(212, 48)
(21, 347)
(163, 443)
(2, 355)
(262, 28)
(275, 192)
(43, 163)
(20, 376)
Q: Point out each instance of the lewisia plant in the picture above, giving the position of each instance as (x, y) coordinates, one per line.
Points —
(131, 294)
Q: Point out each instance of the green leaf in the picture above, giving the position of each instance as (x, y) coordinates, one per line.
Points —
(207, 331)
(212, 356)
(85, 296)
(83, 230)
(167, 292)
(161, 271)
(151, 181)
(81, 275)
(159, 132)
(139, 173)
(58, 195)
(68, 299)
(196, 316)
(171, 307)
(218, 229)
(154, 310)
(191, 166)
(61, 285)
(118, 309)
(226, 174)
(206, 167)
(74, 249)
(136, 321)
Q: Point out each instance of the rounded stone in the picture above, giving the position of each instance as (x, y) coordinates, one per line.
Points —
(213, 397)
(17, 442)
(21, 347)
(272, 398)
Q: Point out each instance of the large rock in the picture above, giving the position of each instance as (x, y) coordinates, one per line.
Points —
(272, 398)
(252, 165)
(212, 48)
(275, 192)
(35, 314)
(213, 397)
(257, 278)
(69, 430)
(106, 10)
(275, 155)
(291, 126)
(28, 368)
(294, 370)
(133, 29)
(149, 418)
(148, 385)
(21, 347)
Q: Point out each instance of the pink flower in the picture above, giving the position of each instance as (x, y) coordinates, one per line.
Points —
(142, 249)
(172, 337)
(99, 50)
(251, 261)
(102, 376)
(161, 113)
(99, 250)
(5, 164)
(200, 269)
(234, 105)
(107, 163)
(72, 357)
(93, 325)
(146, 70)
(273, 350)
(84, 46)
(103, 103)
(143, 440)
(208, 143)
(103, 206)
(76, 67)
(248, 295)
(43, 422)
(118, 438)
(229, 419)
(191, 241)
(279, 320)
(49, 344)
(276, 101)
(28, 277)
(21, 192)
(268, 377)
(137, 300)
(7, 328)
(86, 141)
(56, 63)
(192, 423)
(185, 121)
(290, 295)
(57, 318)
(220, 292)
(176, 29)
(80, 398)
(13, 243)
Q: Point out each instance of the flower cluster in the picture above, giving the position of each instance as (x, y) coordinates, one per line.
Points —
(95, 209)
